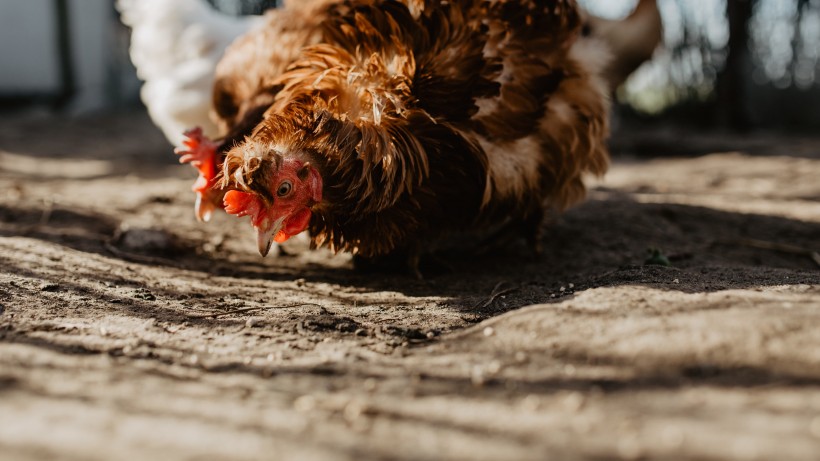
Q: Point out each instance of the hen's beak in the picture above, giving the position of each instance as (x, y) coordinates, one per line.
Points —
(264, 240)
(264, 237)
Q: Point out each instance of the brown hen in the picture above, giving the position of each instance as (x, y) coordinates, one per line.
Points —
(382, 126)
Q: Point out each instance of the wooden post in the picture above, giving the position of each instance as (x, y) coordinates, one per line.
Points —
(65, 54)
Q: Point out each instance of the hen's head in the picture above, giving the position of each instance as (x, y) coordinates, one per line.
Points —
(275, 190)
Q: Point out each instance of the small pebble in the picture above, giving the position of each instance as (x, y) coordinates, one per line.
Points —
(304, 403)
(354, 410)
(49, 286)
(253, 321)
(489, 331)
(531, 403)
(147, 240)
(573, 402)
(493, 367)
(477, 376)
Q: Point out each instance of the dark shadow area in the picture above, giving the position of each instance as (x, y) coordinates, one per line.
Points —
(77, 229)
(600, 243)
(647, 139)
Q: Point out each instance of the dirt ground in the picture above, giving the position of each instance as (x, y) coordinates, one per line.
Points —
(130, 331)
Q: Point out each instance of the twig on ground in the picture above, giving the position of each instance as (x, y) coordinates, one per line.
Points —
(781, 247)
(244, 310)
(497, 291)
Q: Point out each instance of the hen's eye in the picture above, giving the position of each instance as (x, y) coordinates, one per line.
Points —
(284, 189)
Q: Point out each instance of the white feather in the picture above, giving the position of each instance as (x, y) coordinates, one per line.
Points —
(176, 45)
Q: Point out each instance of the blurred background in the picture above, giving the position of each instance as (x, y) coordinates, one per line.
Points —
(734, 65)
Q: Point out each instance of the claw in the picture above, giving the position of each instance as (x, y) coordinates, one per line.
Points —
(203, 208)
(201, 153)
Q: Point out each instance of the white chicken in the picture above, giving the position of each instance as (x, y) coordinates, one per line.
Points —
(175, 46)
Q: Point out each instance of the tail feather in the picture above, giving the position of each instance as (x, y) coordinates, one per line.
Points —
(175, 46)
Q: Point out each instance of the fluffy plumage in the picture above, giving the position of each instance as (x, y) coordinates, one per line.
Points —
(421, 117)
(176, 45)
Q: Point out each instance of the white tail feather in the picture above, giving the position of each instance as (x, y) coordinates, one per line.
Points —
(175, 45)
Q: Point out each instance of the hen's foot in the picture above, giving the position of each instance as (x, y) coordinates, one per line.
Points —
(510, 233)
(533, 229)
(413, 262)
(201, 153)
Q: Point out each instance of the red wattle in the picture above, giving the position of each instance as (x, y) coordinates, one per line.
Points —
(295, 224)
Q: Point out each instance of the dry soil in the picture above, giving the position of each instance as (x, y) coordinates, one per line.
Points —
(130, 331)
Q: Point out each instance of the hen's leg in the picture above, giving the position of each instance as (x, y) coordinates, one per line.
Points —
(413, 261)
(532, 228)
(529, 227)
(201, 153)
